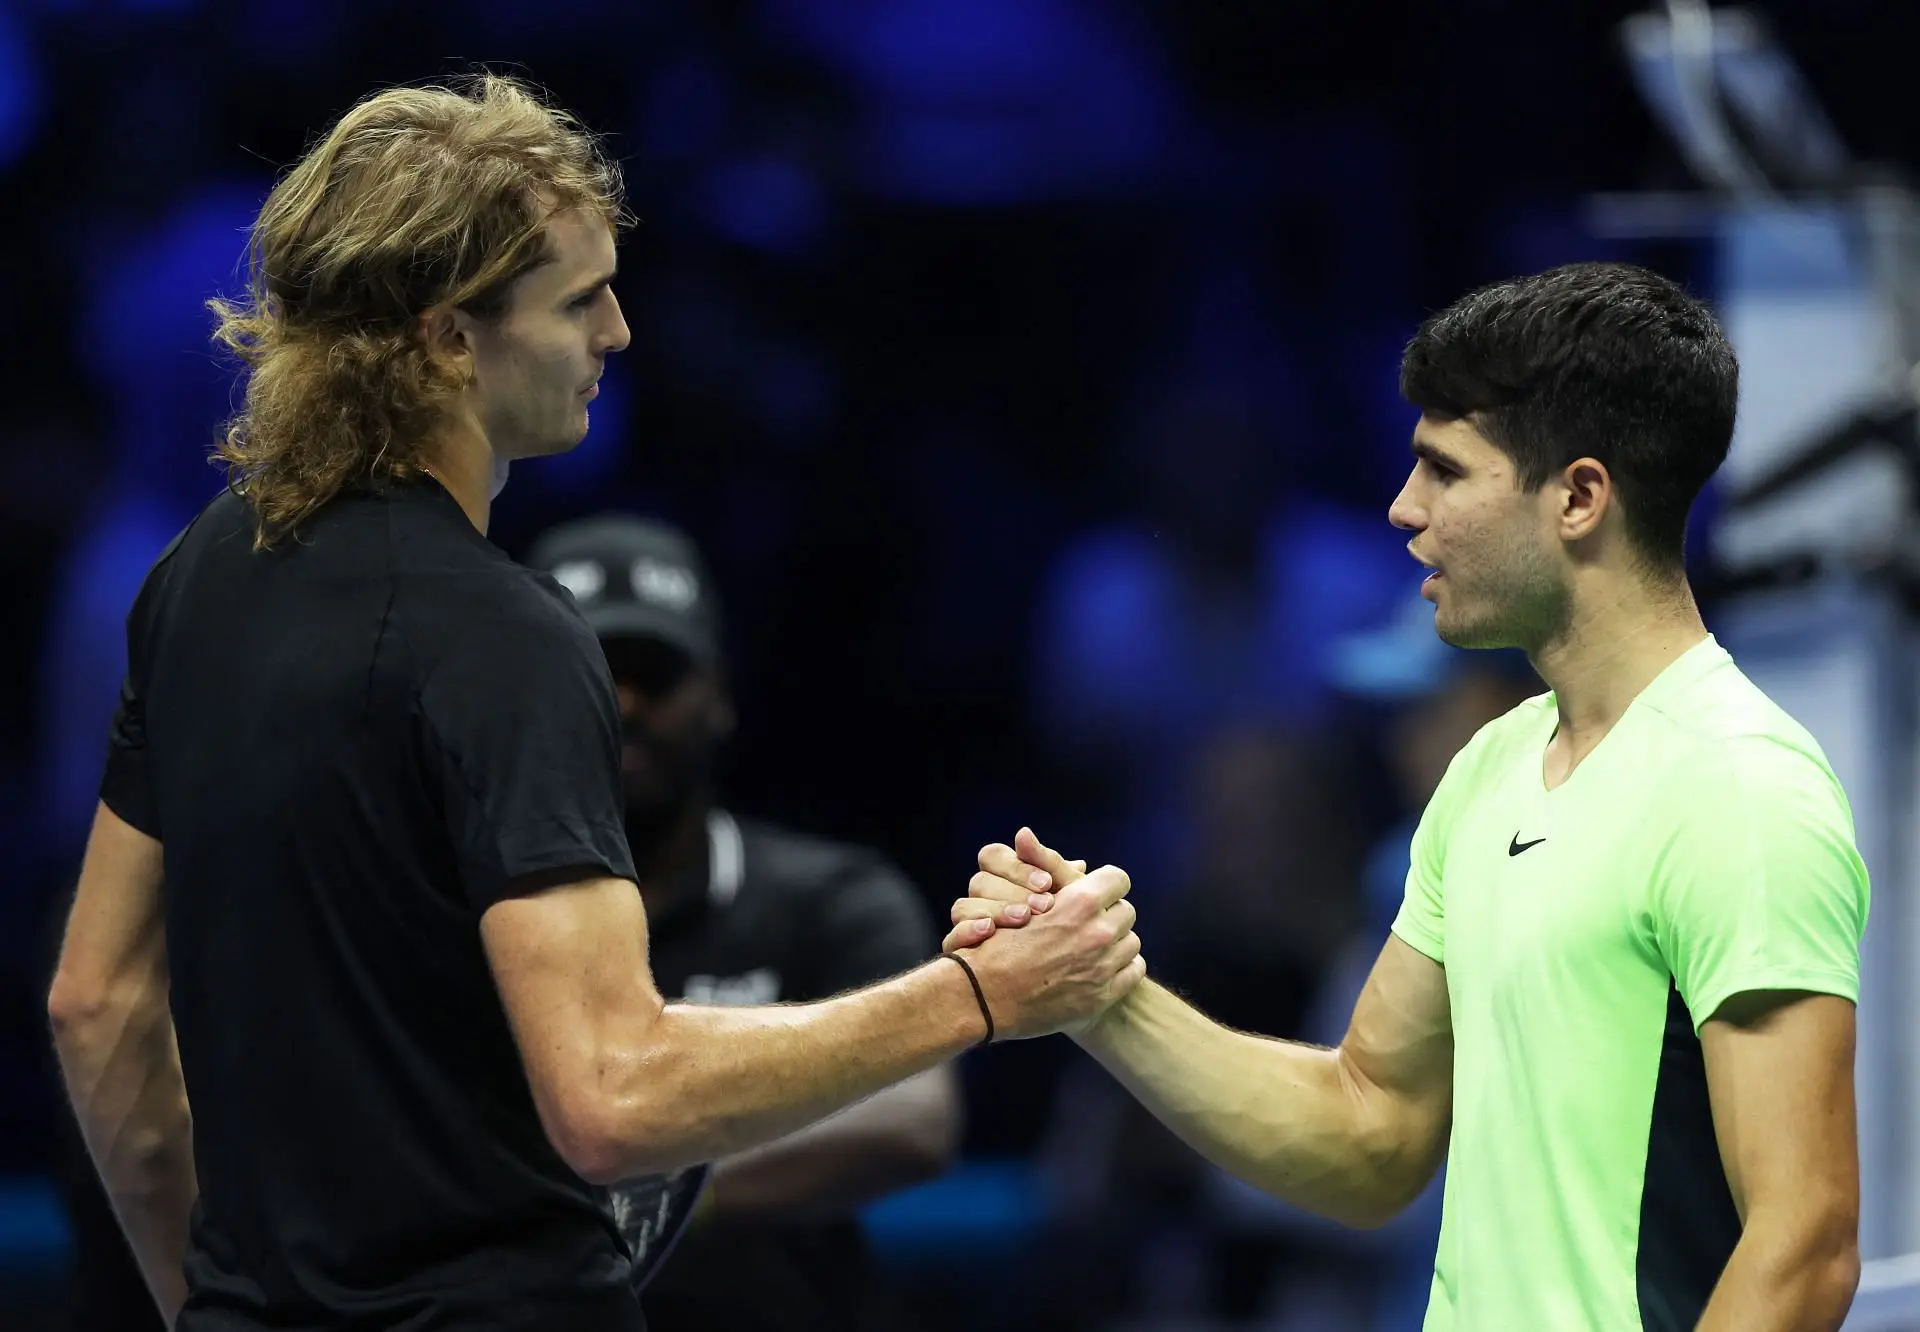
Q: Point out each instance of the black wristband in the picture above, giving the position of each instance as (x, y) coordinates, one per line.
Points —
(974, 981)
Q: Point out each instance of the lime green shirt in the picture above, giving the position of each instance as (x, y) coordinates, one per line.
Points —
(1703, 849)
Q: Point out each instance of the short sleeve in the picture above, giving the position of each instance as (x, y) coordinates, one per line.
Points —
(1422, 919)
(126, 785)
(526, 734)
(872, 925)
(1759, 885)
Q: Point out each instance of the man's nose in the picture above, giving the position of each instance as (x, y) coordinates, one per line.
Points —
(1404, 513)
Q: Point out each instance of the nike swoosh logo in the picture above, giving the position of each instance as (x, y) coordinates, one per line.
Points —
(1516, 846)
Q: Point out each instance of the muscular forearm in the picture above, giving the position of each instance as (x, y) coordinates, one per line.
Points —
(1785, 1276)
(708, 1083)
(895, 1138)
(122, 1071)
(1293, 1120)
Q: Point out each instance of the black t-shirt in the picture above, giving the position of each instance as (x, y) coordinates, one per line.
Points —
(771, 916)
(349, 747)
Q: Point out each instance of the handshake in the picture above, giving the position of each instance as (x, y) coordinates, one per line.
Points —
(1051, 945)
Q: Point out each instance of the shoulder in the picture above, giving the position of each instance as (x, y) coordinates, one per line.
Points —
(1744, 798)
(482, 606)
(1719, 737)
(224, 523)
(537, 603)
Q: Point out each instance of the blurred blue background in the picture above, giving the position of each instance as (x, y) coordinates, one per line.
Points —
(1026, 369)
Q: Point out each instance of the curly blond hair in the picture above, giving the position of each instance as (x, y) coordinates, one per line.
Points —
(418, 196)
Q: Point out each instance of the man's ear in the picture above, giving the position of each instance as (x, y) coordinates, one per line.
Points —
(1586, 494)
(447, 333)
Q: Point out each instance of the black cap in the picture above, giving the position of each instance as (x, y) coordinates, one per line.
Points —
(633, 578)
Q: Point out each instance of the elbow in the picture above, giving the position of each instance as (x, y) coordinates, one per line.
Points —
(603, 1147)
(1373, 1211)
(1829, 1280)
(75, 1006)
(1398, 1159)
(605, 1139)
(1362, 1215)
(1846, 1276)
(1813, 1261)
(1836, 1271)
(592, 1154)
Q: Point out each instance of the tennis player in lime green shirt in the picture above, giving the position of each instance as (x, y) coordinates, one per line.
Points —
(1619, 995)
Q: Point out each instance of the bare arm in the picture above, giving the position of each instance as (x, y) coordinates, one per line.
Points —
(627, 1084)
(893, 1139)
(114, 1033)
(1354, 1133)
(1780, 1075)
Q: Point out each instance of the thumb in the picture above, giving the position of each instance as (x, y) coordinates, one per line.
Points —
(1037, 854)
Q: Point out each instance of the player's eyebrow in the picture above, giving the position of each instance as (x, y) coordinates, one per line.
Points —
(1435, 455)
(605, 280)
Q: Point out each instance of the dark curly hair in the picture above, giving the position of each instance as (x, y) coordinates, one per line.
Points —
(1605, 361)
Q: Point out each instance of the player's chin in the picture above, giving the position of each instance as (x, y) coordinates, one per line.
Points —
(562, 441)
(1464, 631)
(1456, 626)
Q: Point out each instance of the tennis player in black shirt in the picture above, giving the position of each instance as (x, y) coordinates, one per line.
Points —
(354, 1005)
(741, 911)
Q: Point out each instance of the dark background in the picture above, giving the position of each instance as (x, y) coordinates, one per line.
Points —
(1025, 367)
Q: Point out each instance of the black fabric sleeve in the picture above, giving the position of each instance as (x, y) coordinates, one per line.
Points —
(527, 733)
(126, 787)
(872, 924)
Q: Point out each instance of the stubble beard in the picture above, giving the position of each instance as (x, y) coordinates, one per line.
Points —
(1524, 606)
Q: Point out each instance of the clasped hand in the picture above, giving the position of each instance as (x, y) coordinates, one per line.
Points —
(1052, 943)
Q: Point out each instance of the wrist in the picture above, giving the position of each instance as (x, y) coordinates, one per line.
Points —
(979, 995)
(953, 1004)
(1106, 1025)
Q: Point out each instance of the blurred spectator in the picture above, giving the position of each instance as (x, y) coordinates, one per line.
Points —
(1275, 934)
(741, 912)
(1433, 698)
(1268, 897)
(1196, 616)
(900, 265)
